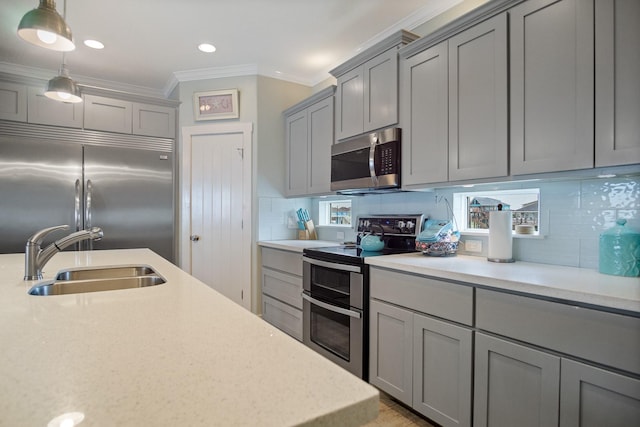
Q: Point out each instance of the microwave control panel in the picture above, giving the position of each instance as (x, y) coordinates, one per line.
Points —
(387, 159)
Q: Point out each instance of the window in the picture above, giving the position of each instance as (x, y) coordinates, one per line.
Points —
(472, 209)
(335, 212)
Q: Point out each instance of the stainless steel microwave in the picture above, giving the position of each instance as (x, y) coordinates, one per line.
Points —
(366, 164)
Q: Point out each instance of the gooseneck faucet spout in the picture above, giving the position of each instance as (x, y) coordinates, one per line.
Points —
(35, 257)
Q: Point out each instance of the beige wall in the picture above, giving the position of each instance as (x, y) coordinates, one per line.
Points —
(448, 16)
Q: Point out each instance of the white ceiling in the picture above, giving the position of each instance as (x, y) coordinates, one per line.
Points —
(151, 44)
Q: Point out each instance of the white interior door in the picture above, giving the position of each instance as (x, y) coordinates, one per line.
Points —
(216, 212)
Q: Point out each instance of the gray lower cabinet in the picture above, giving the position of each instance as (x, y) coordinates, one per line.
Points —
(422, 360)
(617, 83)
(594, 397)
(391, 350)
(45, 111)
(552, 85)
(282, 290)
(309, 137)
(13, 101)
(442, 371)
(514, 385)
(536, 381)
(478, 101)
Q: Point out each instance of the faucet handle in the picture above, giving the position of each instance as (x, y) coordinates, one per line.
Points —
(37, 238)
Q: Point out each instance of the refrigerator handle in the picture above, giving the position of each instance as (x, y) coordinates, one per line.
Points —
(87, 211)
(78, 216)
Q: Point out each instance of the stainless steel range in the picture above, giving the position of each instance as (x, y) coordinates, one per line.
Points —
(336, 290)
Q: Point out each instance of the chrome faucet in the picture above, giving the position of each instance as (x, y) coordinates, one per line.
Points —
(35, 258)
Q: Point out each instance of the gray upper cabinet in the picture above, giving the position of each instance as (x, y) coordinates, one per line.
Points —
(117, 115)
(424, 116)
(552, 86)
(478, 104)
(514, 385)
(367, 88)
(45, 111)
(107, 114)
(154, 120)
(309, 136)
(368, 96)
(381, 91)
(350, 104)
(13, 101)
(617, 35)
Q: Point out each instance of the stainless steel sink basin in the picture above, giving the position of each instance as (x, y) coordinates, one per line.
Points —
(81, 280)
(106, 272)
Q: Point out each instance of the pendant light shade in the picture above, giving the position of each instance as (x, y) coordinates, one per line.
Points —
(44, 27)
(63, 88)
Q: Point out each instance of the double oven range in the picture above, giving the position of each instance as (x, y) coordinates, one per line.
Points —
(336, 290)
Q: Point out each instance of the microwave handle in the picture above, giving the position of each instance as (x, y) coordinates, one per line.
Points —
(372, 161)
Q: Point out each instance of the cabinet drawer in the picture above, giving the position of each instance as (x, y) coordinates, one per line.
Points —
(285, 287)
(290, 262)
(602, 337)
(435, 297)
(282, 316)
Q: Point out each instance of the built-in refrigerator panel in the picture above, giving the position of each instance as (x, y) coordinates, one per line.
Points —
(43, 182)
(40, 186)
(129, 194)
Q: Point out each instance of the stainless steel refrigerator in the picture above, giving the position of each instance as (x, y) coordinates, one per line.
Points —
(120, 183)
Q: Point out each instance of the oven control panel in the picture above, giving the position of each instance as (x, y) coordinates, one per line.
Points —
(392, 225)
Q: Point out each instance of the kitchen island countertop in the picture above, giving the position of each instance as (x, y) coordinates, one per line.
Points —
(574, 285)
(173, 354)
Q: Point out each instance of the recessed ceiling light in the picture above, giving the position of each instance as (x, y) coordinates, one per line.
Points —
(94, 44)
(207, 48)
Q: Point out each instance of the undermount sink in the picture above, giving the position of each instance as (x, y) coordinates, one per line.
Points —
(81, 280)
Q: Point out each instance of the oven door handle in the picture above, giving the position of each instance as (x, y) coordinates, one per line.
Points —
(339, 310)
(332, 265)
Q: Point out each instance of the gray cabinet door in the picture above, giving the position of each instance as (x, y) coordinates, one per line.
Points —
(442, 373)
(552, 78)
(112, 115)
(391, 350)
(424, 116)
(594, 397)
(154, 120)
(45, 111)
(478, 82)
(514, 385)
(297, 154)
(284, 317)
(617, 82)
(320, 140)
(13, 102)
(381, 91)
(350, 104)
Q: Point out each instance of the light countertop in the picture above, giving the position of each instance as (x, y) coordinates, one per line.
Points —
(173, 354)
(296, 245)
(579, 285)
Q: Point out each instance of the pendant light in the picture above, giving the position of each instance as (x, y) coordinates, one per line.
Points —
(62, 87)
(44, 27)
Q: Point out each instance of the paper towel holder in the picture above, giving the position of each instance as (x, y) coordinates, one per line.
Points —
(504, 259)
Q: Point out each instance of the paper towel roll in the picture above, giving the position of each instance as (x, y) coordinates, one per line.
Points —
(500, 237)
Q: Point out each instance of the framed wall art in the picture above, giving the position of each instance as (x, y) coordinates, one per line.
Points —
(216, 105)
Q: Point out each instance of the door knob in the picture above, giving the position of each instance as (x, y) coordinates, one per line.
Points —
(194, 237)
